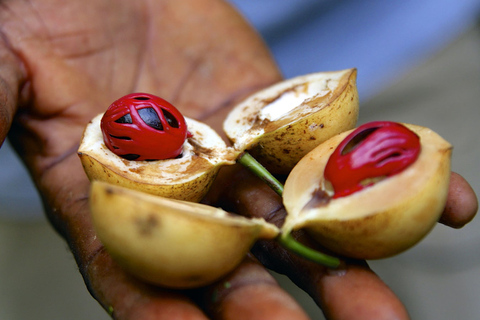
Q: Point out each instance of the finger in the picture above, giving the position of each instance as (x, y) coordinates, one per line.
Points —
(126, 298)
(12, 76)
(250, 292)
(462, 203)
(357, 293)
(351, 292)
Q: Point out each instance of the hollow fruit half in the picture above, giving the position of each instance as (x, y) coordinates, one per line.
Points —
(171, 243)
(389, 216)
(280, 124)
(186, 177)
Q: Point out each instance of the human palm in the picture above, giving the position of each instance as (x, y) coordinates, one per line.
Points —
(63, 62)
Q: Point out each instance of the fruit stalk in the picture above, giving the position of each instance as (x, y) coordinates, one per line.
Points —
(286, 239)
(288, 242)
(260, 171)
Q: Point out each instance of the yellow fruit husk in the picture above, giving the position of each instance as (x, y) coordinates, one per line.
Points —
(186, 178)
(379, 221)
(282, 123)
(168, 242)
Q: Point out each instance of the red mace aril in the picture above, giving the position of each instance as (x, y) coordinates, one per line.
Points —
(141, 126)
(373, 151)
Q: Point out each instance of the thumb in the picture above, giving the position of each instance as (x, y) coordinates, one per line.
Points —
(12, 77)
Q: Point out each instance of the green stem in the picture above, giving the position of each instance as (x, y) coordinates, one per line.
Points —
(286, 239)
(253, 165)
(288, 242)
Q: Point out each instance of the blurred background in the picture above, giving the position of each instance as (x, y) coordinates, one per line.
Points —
(418, 62)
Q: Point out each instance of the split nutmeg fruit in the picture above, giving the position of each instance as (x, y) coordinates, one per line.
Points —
(375, 191)
(155, 238)
(139, 128)
(282, 123)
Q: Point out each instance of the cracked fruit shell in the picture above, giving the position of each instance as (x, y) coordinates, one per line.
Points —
(379, 221)
(187, 177)
(282, 123)
(171, 243)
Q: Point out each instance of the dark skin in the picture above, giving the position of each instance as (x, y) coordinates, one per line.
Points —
(62, 62)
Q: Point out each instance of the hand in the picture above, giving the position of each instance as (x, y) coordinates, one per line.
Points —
(64, 61)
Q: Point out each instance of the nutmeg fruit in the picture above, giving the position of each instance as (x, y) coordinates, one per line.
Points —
(389, 216)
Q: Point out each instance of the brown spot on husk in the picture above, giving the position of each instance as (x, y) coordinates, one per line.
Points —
(319, 199)
(147, 224)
